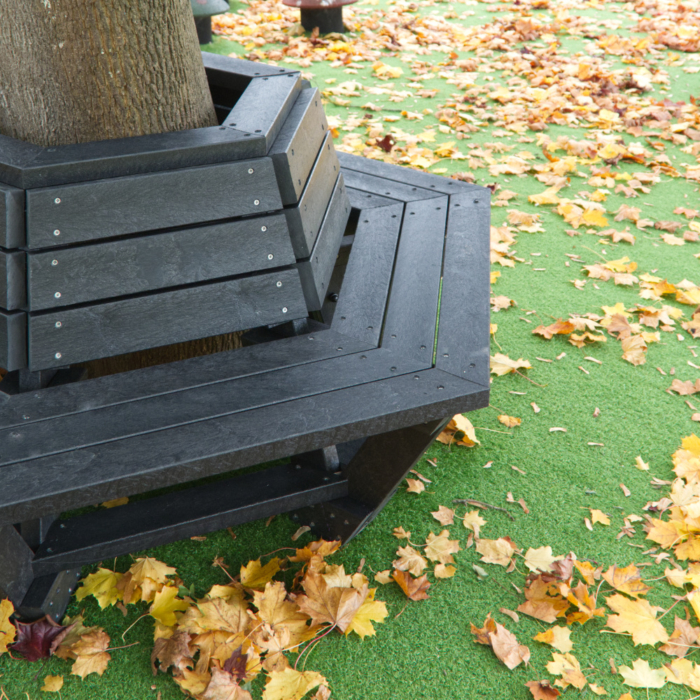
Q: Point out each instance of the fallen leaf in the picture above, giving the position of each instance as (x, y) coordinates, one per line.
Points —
(597, 516)
(541, 690)
(8, 631)
(414, 588)
(90, 653)
(557, 637)
(34, 640)
(330, 605)
(498, 551)
(509, 421)
(444, 515)
(440, 548)
(641, 675)
(627, 580)
(540, 559)
(52, 684)
(415, 486)
(301, 531)
(636, 617)
(254, 575)
(291, 685)
(410, 560)
(683, 639)
(507, 649)
(444, 571)
(568, 667)
(502, 364)
(474, 522)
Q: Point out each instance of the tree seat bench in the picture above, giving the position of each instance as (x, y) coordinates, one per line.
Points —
(348, 395)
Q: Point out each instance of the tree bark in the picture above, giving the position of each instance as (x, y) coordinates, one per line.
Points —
(74, 71)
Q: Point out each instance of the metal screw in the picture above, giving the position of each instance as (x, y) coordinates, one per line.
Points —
(54, 262)
(270, 256)
(284, 309)
(58, 324)
(57, 295)
(250, 171)
(58, 356)
(57, 200)
(263, 229)
(256, 202)
(279, 284)
(56, 233)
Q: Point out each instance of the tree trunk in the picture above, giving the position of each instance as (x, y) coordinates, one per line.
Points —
(73, 71)
(87, 70)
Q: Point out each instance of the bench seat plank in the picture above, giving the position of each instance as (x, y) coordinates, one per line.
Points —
(392, 189)
(157, 319)
(315, 273)
(167, 411)
(409, 325)
(411, 176)
(188, 452)
(125, 205)
(463, 330)
(89, 273)
(151, 522)
(294, 151)
(305, 218)
(171, 378)
(264, 106)
(365, 288)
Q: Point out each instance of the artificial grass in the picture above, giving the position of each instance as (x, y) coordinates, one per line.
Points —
(428, 651)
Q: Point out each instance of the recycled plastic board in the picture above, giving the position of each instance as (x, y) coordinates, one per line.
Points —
(13, 340)
(107, 208)
(305, 219)
(68, 336)
(85, 273)
(263, 107)
(294, 151)
(11, 217)
(13, 287)
(316, 272)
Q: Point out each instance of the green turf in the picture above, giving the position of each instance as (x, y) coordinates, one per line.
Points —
(427, 651)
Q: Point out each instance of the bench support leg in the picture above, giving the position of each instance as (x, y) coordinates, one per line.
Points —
(16, 556)
(374, 474)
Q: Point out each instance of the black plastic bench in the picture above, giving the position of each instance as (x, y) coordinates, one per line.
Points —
(393, 340)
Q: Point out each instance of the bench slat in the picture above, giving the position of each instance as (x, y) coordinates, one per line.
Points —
(305, 219)
(411, 176)
(108, 208)
(365, 200)
(409, 326)
(171, 378)
(463, 331)
(387, 188)
(197, 404)
(155, 460)
(13, 283)
(299, 140)
(200, 509)
(13, 340)
(264, 106)
(105, 270)
(11, 216)
(154, 320)
(315, 273)
(363, 294)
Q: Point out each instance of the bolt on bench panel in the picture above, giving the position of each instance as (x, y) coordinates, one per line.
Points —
(11, 217)
(305, 219)
(299, 140)
(106, 208)
(316, 272)
(87, 273)
(68, 336)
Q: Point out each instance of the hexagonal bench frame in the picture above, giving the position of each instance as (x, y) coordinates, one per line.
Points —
(116, 246)
(354, 396)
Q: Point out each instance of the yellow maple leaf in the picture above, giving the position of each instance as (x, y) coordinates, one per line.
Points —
(444, 571)
(549, 196)
(498, 551)
(641, 675)
(370, 611)
(627, 580)
(683, 672)
(291, 685)
(103, 585)
(540, 559)
(474, 522)
(460, 431)
(597, 516)
(52, 684)
(502, 364)
(568, 667)
(509, 421)
(7, 629)
(254, 575)
(557, 637)
(90, 653)
(636, 617)
(440, 548)
(410, 560)
(166, 604)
